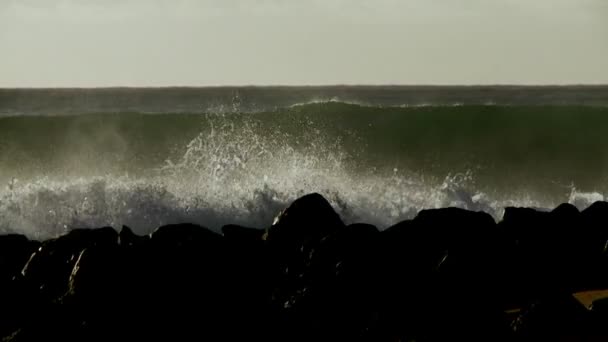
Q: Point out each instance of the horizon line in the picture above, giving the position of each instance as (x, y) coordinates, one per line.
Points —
(332, 85)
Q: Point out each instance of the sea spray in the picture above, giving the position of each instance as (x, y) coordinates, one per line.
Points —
(231, 174)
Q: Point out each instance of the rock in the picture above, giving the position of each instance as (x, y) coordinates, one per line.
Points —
(599, 312)
(187, 272)
(249, 286)
(465, 286)
(50, 267)
(183, 235)
(15, 251)
(443, 272)
(447, 274)
(295, 233)
(298, 230)
(242, 234)
(600, 306)
(340, 286)
(50, 312)
(94, 276)
(556, 315)
(127, 238)
(595, 219)
(307, 220)
(556, 251)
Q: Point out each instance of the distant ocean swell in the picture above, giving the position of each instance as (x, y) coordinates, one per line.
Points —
(376, 164)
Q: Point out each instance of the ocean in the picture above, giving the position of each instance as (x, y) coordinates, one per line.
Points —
(144, 157)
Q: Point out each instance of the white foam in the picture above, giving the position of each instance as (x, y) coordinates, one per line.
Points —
(235, 175)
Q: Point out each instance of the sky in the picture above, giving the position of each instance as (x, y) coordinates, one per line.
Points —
(97, 43)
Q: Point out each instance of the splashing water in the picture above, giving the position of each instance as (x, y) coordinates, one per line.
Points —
(238, 174)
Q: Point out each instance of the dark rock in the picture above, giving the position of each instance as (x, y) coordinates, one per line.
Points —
(46, 278)
(448, 274)
(183, 235)
(15, 251)
(248, 284)
(307, 220)
(600, 306)
(338, 293)
(443, 274)
(599, 310)
(186, 271)
(541, 239)
(554, 316)
(50, 267)
(559, 250)
(127, 238)
(297, 231)
(242, 234)
(94, 274)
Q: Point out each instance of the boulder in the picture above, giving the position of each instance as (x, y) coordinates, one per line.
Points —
(552, 249)
(15, 295)
(242, 234)
(127, 238)
(555, 316)
(307, 220)
(15, 251)
(50, 267)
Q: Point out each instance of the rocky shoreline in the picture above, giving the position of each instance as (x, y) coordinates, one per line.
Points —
(448, 274)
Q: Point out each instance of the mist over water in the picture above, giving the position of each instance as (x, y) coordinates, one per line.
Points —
(375, 163)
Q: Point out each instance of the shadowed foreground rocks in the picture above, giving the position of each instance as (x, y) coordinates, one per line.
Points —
(449, 274)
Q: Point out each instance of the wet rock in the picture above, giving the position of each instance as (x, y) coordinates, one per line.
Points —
(249, 287)
(15, 251)
(297, 231)
(559, 250)
(183, 235)
(188, 272)
(51, 314)
(50, 267)
(307, 220)
(337, 293)
(557, 315)
(242, 234)
(447, 274)
(600, 306)
(127, 238)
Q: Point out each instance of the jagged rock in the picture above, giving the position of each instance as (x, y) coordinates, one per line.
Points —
(50, 267)
(556, 315)
(307, 220)
(599, 310)
(95, 273)
(15, 251)
(447, 274)
(442, 272)
(248, 285)
(183, 235)
(46, 277)
(340, 285)
(242, 234)
(186, 271)
(127, 238)
(558, 250)
(297, 231)
(600, 306)
(293, 236)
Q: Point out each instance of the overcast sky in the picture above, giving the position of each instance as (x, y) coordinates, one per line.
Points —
(59, 43)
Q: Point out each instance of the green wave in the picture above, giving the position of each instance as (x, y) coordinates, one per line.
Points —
(506, 147)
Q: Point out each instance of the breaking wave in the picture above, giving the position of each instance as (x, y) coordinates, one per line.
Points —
(375, 165)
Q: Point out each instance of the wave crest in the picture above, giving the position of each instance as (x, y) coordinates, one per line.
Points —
(237, 174)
